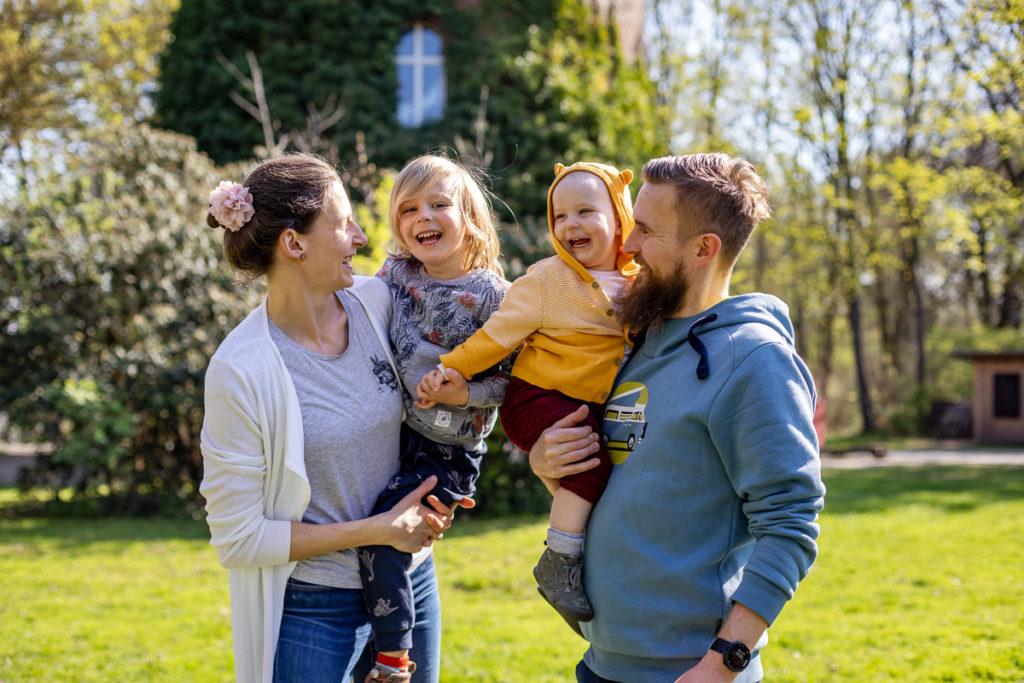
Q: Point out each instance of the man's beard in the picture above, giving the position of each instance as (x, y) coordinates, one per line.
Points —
(650, 298)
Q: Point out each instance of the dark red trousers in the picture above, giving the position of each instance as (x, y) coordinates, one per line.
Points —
(528, 410)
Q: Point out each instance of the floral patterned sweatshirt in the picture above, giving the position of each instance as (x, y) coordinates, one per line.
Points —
(432, 316)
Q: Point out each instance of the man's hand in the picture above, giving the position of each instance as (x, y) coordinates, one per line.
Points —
(742, 624)
(436, 387)
(711, 669)
(563, 449)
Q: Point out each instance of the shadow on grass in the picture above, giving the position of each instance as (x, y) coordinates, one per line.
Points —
(875, 490)
(71, 537)
(949, 489)
(84, 521)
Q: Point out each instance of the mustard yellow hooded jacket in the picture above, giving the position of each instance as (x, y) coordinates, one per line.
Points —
(571, 339)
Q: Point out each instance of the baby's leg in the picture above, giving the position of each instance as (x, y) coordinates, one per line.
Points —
(559, 571)
(569, 515)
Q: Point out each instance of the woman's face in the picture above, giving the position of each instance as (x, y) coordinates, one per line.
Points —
(333, 240)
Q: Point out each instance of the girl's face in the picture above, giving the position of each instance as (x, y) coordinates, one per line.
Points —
(585, 221)
(431, 228)
(333, 240)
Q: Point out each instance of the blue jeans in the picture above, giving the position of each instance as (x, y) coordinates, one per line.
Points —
(585, 675)
(325, 632)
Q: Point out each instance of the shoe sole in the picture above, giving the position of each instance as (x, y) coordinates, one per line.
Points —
(573, 623)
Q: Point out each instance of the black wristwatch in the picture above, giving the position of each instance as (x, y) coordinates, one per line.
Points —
(736, 655)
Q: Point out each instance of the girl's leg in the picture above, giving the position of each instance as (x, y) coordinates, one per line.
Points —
(324, 631)
(426, 634)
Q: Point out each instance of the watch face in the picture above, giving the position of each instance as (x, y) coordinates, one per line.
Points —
(737, 657)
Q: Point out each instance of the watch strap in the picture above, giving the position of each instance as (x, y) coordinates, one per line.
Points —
(735, 654)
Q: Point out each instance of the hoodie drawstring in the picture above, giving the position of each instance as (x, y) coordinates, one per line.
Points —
(703, 370)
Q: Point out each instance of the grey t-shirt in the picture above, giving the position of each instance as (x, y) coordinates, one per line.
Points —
(351, 411)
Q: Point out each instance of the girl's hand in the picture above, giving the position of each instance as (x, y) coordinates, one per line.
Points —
(435, 388)
(429, 385)
(412, 525)
(564, 448)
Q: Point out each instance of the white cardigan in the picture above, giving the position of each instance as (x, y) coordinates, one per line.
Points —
(254, 478)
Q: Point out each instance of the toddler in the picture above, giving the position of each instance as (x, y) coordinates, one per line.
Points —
(445, 281)
(572, 349)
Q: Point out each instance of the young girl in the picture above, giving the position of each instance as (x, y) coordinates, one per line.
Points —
(445, 281)
(574, 347)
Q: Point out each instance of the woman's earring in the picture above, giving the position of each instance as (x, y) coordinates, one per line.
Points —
(302, 257)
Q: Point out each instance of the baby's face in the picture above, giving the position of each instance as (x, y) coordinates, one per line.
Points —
(585, 221)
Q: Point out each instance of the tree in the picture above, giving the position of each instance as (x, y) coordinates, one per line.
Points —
(568, 97)
(69, 65)
(833, 40)
(986, 43)
(531, 83)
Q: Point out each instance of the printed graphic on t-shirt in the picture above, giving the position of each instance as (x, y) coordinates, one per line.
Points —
(384, 373)
(624, 420)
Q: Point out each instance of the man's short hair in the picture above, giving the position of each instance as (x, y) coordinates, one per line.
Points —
(714, 193)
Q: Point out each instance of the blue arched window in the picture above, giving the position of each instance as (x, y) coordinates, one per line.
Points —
(421, 83)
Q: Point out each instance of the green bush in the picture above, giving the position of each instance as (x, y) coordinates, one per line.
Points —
(550, 74)
(114, 299)
(910, 416)
(507, 485)
(118, 297)
(95, 427)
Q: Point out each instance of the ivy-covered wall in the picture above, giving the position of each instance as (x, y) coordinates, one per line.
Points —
(558, 89)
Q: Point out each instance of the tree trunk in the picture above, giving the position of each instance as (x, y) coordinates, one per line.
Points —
(867, 412)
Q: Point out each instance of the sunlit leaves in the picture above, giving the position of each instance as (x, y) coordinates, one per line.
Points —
(117, 297)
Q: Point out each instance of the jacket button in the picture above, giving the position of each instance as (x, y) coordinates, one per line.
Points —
(610, 312)
(595, 284)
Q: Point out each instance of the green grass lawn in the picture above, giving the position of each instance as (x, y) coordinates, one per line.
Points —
(921, 577)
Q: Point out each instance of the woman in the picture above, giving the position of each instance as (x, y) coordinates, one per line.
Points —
(301, 432)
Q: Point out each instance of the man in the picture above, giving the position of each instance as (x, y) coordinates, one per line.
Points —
(710, 518)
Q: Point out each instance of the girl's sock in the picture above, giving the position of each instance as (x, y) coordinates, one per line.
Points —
(393, 663)
(565, 542)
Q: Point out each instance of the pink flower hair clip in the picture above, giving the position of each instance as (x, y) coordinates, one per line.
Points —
(231, 205)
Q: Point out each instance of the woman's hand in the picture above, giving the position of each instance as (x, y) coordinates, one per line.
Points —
(412, 525)
(447, 512)
(564, 448)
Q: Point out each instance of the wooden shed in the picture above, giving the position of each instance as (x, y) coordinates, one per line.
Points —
(998, 403)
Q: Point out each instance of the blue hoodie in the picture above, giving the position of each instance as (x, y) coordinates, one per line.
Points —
(715, 493)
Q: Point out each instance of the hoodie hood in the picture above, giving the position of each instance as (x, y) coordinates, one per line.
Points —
(731, 319)
(617, 183)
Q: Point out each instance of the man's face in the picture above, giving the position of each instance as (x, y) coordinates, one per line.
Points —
(655, 241)
(656, 245)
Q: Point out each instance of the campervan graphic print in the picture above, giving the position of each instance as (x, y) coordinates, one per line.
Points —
(624, 420)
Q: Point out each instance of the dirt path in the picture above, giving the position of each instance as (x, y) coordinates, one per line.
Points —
(941, 454)
(14, 457)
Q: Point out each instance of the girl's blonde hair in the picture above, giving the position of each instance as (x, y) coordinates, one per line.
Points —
(469, 196)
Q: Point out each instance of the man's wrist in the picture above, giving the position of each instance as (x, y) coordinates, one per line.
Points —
(712, 668)
(735, 655)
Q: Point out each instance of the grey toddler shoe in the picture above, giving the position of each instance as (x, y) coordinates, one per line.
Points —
(560, 582)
